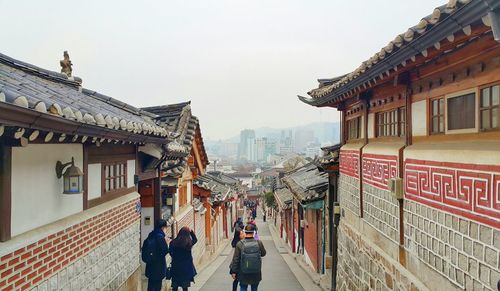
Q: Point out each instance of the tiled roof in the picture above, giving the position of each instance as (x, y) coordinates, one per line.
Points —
(48, 92)
(307, 182)
(416, 41)
(219, 191)
(283, 196)
(177, 118)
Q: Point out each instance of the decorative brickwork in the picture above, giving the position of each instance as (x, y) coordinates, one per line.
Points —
(349, 193)
(381, 210)
(105, 242)
(349, 163)
(465, 252)
(363, 266)
(378, 169)
(468, 190)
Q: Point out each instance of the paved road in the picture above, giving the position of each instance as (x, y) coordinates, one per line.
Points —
(276, 275)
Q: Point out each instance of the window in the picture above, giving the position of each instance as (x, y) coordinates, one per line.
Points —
(489, 109)
(114, 176)
(461, 112)
(353, 128)
(437, 116)
(391, 123)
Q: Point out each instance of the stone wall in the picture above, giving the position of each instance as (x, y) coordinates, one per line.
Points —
(381, 210)
(463, 251)
(199, 248)
(348, 189)
(95, 249)
(364, 266)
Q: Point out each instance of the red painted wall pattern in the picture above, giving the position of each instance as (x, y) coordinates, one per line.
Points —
(349, 163)
(378, 169)
(469, 190)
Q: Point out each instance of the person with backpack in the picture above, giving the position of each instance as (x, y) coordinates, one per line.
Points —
(238, 235)
(247, 260)
(154, 251)
(183, 270)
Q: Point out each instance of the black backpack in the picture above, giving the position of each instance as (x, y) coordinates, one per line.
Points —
(251, 259)
(149, 250)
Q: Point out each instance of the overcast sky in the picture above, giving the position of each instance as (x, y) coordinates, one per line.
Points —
(241, 63)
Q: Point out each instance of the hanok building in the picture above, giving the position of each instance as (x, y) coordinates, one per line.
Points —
(179, 171)
(309, 187)
(419, 177)
(69, 207)
(284, 215)
(217, 196)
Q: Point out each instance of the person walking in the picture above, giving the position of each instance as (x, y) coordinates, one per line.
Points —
(154, 251)
(247, 260)
(238, 235)
(183, 270)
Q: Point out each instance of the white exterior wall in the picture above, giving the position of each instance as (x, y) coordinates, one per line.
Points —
(37, 197)
(189, 192)
(418, 118)
(146, 229)
(130, 173)
(371, 125)
(94, 178)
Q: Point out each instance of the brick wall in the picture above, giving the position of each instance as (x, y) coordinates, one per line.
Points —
(98, 252)
(348, 189)
(363, 266)
(381, 210)
(465, 252)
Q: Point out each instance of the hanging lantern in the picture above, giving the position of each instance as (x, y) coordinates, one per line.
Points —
(72, 177)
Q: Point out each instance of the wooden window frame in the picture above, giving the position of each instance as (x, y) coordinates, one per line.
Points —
(391, 121)
(439, 115)
(350, 130)
(476, 111)
(480, 109)
(115, 178)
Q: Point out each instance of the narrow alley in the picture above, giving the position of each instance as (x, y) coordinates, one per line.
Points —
(279, 270)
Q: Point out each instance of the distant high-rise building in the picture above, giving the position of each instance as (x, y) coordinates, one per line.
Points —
(245, 136)
(302, 138)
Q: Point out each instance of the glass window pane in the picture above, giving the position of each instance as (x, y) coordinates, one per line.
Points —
(495, 95)
(485, 119)
(441, 106)
(123, 182)
(485, 97)
(441, 124)
(435, 107)
(435, 123)
(461, 112)
(494, 117)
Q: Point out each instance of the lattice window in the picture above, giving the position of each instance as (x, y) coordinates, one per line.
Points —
(114, 176)
(353, 128)
(391, 123)
(437, 116)
(489, 107)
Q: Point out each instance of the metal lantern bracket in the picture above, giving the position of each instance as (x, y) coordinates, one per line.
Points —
(60, 167)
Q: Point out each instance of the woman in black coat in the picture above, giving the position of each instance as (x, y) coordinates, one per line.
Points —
(183, 270)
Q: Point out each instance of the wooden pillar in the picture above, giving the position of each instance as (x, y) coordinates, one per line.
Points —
(85, 177)
(5, 192)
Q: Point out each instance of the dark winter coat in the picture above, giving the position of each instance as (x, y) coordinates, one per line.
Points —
(183, 269)
(157, 269)
(236, 238)
(245, 279)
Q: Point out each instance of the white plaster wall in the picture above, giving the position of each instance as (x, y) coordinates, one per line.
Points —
(189, 192)
(37, 197)
(146, 229)
(130, 173)
(362, 126)
(371, 125)
(419, 118)
(94, 176)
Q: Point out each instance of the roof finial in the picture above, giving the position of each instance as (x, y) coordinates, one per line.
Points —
(66, 65)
